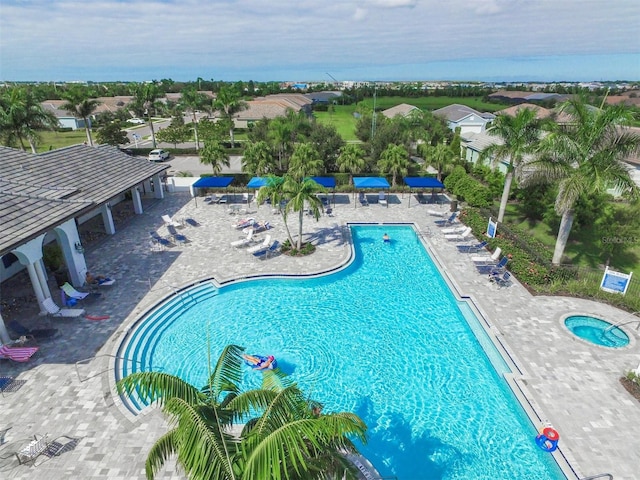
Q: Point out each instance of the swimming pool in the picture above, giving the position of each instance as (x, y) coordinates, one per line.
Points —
(384, 338)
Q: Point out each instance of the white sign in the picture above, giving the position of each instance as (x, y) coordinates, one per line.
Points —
(492, 227)
(615, 282)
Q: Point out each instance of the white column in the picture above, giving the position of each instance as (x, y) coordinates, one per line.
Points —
(42, 277)
(37, 288)
(137, 201)
(4, 335)
(158, 189)
(107, 219)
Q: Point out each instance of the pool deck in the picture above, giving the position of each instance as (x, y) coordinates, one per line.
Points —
(572, 384)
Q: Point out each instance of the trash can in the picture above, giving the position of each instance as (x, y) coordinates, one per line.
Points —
(454, 205)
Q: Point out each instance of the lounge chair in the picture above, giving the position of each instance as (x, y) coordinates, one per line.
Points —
(259, 228)
(36, 447)
(169, 221)
(457, 237)
(362, 198)
(71, 292)
(160, 240)
(245, 197)
(452, 230)
(436, 213)
(329, 212)
(191, 222)
(503, 280)
(244, 223)
(21, 330)
(488, 259)
(9, 384)
(55, 311)
(178, 237)
(449, 221)
(475, 248)
(244, 241)
(261, 246)
(500, 267)
(267, 252)
(382, 199)
(17, 354)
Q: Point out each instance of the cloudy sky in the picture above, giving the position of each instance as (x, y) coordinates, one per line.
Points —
(307, 40)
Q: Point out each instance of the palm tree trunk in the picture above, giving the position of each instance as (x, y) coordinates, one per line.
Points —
(508, 179)
(563, 236)
(195, 130)
(153, 134)
(88, 132)
(231, 137)
(300, 220)
(33, 147)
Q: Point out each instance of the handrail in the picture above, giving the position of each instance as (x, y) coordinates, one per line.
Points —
(620, 324)
(600, 475)
(101, 372)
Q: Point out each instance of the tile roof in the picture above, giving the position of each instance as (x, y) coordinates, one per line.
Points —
(541, 112)
(456, 112)
(39, 192)
(403, 110)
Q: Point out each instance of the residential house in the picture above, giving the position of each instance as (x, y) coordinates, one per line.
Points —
(272, 106)
(403, 110)
(464, 118)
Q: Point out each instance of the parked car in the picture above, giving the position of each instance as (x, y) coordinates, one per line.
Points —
(137, 121)
(158, 155)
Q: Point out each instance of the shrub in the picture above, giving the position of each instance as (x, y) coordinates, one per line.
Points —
(307, 249)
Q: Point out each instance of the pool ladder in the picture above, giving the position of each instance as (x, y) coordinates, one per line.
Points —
(621, 323)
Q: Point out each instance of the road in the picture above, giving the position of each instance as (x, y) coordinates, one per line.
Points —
(191, 163)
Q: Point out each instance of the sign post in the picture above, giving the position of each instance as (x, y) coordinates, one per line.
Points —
(615, 282)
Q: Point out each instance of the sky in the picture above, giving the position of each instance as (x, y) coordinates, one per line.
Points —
(319, 40)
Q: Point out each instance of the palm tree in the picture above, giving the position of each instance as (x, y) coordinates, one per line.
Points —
(305, 161)
(395, 161)
(228, 101)
(192, 101)
(146, 98)
(214, 154)
(79, 104)
(274, 191)
(440, 157)
(302, 192)
(586, 157)
(285, 435)
(257, 159)
(520, 136)
(351, 160)
(22, 116)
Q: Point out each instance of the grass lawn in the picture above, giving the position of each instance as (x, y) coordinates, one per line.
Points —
(342, 118)
(53, 140)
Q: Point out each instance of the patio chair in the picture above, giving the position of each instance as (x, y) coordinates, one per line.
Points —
(362, 198)
(382, 199)
(160, 240)
(436, 213)
(36, 333)
(17, 354)
(178, 237)
(244, 241)
(449, 221)
(475, 248)
(30, 452)
(267, 252)
(55, 311)
(488, 259)
(9, 384)
(169, 221)
(503, 280)
(191, 222)
(453, 230)
(457, 237)
(71, 292)
(261, 246)
(500, 267)
(329, 212)
(244, 223)
(259, 227)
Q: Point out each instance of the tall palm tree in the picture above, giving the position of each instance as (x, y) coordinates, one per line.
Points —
(146, 97)
(285, 435)
(520, 136)
(274, 191)
(214, 154)
(257, 159)
(395, 161)
(80, 104)
(440, 157)
(22, 116)
(301, 192)
(305, 161)
(192, 101)
(351, 159)
(585, 157)
(229, 102)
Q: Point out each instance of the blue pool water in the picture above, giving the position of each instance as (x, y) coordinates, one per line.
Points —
(384, 338)
(597, 331)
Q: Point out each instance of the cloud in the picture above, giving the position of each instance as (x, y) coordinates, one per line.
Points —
(486, 7)
(396, 3)
(359, 14)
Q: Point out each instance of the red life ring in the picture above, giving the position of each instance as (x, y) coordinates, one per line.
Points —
(551, 433)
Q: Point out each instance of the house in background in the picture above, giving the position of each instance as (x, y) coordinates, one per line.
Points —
(65, 119)
(272, 106)
(464, 118)
(403, 110)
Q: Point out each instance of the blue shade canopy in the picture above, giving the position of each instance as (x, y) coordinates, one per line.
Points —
(257, 182)
(370, 182)
(326, 182)
(213, 182)
(423, 182)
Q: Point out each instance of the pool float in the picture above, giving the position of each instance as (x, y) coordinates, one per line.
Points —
(547, 439)
(263, 359)
(97, 317)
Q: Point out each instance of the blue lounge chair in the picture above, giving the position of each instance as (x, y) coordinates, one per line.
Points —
(497, 269)
(192, 222)
(37, 333)
(449, 221)
(266, 253)
(473, 248)
(362, 198)
(178, 237)
(160, 240)
(503, 280)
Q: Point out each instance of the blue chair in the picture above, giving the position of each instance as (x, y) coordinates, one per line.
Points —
(272, 250)
(160, 240)
(178, 237)
(449, 221)
(362, 198)
(503, 280)
(473, 248)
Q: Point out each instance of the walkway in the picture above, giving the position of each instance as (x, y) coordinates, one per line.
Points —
(573, 384)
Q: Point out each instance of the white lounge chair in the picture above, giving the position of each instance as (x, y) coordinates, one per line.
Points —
(36, 447)
(56, 311)
(485, 259)
(382, 198)
(264, 245)
(450, 230)
(243, 241)
(169, 221)
(71, 292)
(464, 235)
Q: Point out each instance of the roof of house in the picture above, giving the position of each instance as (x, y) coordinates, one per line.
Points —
(403, 110)
(541, 112)
(480, 141)
(273, 106)
(39, 192)
(457, 112)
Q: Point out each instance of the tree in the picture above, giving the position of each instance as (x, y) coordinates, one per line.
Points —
(301, 192)
(22, 116)
(257, 159)
(285, 433)
(214, 154)
(305, 161)
(112, 134)
(146, 97)
(585, 157)
(520, 136)
(275, 193)
(351, 160)
(192, 101)
(394, 160)
(174, 134)
(79, 104)
(327, 142)
(440, 157)
(228, 101)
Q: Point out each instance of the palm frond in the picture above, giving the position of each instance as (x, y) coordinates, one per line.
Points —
(158, 387)
(227, 374)
(161, 450)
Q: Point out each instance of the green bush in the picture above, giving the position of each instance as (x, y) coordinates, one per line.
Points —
(454, 177)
